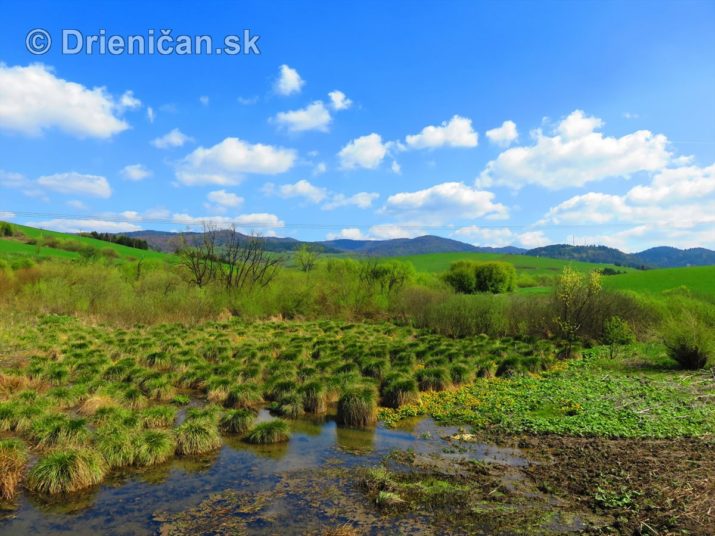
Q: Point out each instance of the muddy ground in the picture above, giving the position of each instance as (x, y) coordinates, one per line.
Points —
(569, 485)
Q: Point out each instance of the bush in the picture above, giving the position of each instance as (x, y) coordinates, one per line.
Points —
(617, 332)
(467, 277)
(690, 342)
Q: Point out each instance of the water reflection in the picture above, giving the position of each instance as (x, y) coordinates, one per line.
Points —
(126, 502)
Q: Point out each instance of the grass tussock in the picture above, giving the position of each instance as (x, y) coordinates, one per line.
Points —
(358, 408)
(197, 436)
(266, 433)
(13, 459)
(66, 471)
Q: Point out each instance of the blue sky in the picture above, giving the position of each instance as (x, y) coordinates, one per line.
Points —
(494, 123)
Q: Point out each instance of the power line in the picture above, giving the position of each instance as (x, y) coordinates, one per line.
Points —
(283, 225)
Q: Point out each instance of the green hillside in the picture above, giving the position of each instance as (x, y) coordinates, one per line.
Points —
(699, 279)
(17, 248)
(440, 262)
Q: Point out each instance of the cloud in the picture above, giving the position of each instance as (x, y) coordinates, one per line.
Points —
(676, 207)
(575, 155)
(150, 114)
(83, 226)
(359, 200)
(33, 99)
(349, 233)
(76, 204)
(263, 222)
(498, 237)
(315, 116)
(173, 138)
(204, 100)
(76, 183)
(388, 231)
(224, 198)
(289, 81)
(319, 169)
(675, 184)
(339, 101)
(247, 101)
(363, 152)
(302, 188)
(135, 172)
(4, 215)
(458, 132)
(445, 202)
(395, 167)
(129, 102)
(503, 135)
(226, 162)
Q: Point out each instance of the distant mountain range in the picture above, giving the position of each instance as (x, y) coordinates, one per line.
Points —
(658, 257)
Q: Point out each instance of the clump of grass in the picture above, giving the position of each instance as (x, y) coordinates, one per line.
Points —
(117, 444)
(237, 421)
(58, 429)
(154, 447)
(197, 436)
(357, 407)
(433, 379)
(95, 403)
(291, 405)
(243, 396)
(158, 416)
(315, 397)
(13, 458)
(400, 392)
(265, 433)
(65, 471)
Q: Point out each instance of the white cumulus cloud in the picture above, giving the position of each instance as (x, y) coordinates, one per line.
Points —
(33, 99)
(457, 132)
(504, 135)
(173, 138)
(76, 183)
(315, 116)
(363, 152)
(360, 200)
(445, 202)
(135, 172)
(575, 155)
(339, 101)
(224, 198)
(85, 226)
(228, 161)
(289, 81)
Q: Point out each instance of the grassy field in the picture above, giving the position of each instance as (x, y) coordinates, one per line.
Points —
(699, 279)
(16, 248)
(440, 262)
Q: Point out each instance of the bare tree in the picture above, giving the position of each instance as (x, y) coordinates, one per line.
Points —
(200, 261)
(246, 264)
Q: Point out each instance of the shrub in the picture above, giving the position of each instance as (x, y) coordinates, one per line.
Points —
(13, 458)
(690, 342)
(275, 431)
(495, 277)
(65, 471)
(617, 332)
(197, 436)
(357, 407)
